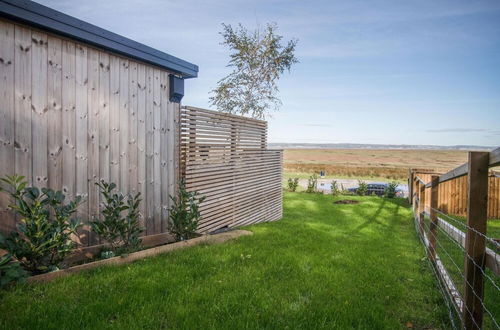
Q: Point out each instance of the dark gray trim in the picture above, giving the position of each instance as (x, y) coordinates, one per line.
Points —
(32, 13)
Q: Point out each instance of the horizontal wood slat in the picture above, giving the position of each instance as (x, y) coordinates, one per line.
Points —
(224, 157)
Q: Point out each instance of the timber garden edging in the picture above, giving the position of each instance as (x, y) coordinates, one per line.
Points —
(120, 260)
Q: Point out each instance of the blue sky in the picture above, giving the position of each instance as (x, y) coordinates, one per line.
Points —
(399, 72)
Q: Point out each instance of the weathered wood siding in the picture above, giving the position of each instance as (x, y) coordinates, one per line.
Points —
(72, 114)
(224, 158)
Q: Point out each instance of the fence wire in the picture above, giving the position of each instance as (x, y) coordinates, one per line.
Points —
(449, 235)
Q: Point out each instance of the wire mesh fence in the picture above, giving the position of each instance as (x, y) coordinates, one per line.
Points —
(464, 253)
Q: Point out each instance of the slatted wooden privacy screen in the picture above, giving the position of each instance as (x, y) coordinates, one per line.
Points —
(71, 114)
(224, 157)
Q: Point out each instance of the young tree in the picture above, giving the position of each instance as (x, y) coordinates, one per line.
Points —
(258, 59)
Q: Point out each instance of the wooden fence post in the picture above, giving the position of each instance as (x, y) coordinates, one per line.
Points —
(421, 207)
(475, 239)
(410, 186)
(417, 197)
(416, 193)
(434, 221)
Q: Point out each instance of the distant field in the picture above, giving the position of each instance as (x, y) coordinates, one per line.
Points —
(369, 163)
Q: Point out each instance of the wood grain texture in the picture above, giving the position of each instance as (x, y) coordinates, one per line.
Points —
(141, 141)
(114, 119)
(22, 85)
(224, 158)
(39, 106)
(149, 198)
(475, 243)
(124, 122)
(73, 114)
(93, 139)
(54, 96)
(81, 133)
(132, 128)
(69, 119)
(157, 206)
(7, 117)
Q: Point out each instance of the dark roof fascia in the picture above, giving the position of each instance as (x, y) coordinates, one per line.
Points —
(32, 13)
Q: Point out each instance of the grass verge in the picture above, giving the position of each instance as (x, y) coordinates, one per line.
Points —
(324, 265)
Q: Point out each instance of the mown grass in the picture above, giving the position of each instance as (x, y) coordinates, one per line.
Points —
(323, 266)
(452, 256)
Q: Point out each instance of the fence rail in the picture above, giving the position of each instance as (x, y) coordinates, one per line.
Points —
(453, 193)
(464, 258)
(224, 157)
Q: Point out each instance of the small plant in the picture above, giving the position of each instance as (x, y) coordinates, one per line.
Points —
(335, 188)
(10, 271)
(390, 190)
(312, 183)
(184, 214)
(43, 236)
(362, 188)
(120, 225)
(293, 184)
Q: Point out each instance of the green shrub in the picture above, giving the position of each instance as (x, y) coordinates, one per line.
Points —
(10, 271)
(362, 188)
(43, 236)
(120, 224)
(335, 188)
(184, 214)
(390, 190)
(293, 184)
(312, 183)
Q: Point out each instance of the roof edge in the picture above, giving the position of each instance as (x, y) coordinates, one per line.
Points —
(43, 17)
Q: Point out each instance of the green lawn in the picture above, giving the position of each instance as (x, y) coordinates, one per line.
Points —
(323, 266)
(453, 258)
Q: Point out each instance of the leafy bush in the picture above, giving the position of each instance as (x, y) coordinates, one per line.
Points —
(120, 230)
(293, 184)
(335, 188)
(362, 188)
(43, 236)
(390, 190)
(184, 214)
(10, 271)
(312, 183)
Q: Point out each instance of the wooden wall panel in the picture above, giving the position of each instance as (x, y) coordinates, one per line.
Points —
(225, 159)
(104, 117)
(157, 206)
(141, 140)
(54, 114)
(73, 115)
(22, 120)
(114, 119)
(164, 148)
(132, 127)
(69, 119)
(7, 115)
(149, 198)
(39, 108)
(124, 133)
(81, 133)
(93, 138)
